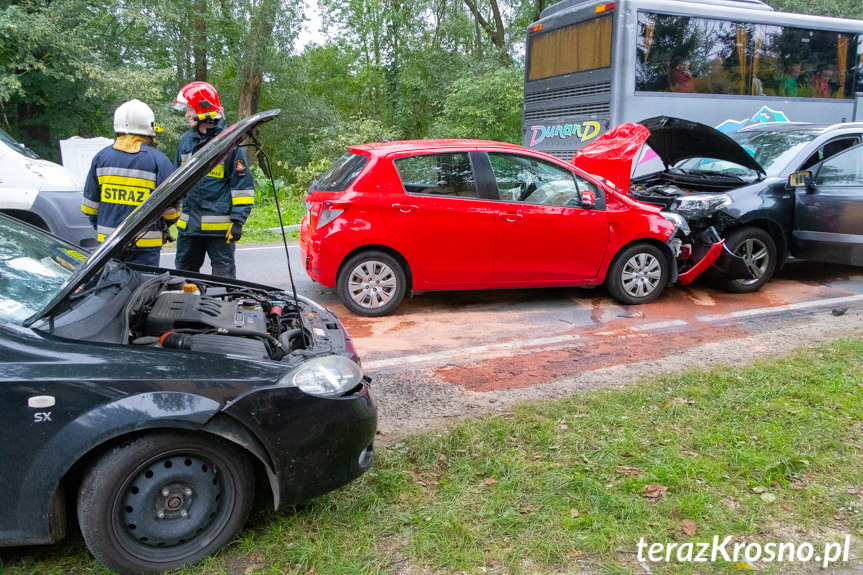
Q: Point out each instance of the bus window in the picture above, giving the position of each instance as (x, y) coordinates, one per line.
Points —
(584, 46)
(709, 56)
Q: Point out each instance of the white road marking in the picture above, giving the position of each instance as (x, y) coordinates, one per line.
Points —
(780, 308)
(660, 325)
(486, 351)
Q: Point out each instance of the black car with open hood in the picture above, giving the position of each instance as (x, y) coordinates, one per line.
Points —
(739, 185)
(153, 401)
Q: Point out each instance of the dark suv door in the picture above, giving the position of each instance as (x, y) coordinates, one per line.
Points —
(828, 213)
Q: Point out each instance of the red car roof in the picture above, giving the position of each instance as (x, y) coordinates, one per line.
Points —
(382, 148)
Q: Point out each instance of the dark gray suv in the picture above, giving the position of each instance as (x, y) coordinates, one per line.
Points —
(739, 184)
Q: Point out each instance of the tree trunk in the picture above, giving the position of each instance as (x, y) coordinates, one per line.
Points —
(540, 6)
(255, 53)
(40, 133)
(200, 44)
(496, 32)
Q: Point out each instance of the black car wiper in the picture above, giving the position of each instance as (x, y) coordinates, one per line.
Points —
(96, 288)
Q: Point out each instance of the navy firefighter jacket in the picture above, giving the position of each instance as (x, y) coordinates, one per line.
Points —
(119, 182)
(224, 196)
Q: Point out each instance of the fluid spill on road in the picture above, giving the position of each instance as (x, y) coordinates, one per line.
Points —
(617, 347)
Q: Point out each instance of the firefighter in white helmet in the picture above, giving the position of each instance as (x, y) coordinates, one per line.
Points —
(121, 178)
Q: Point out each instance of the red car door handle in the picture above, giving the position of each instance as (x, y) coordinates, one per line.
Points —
(510, 216)
(405, 208)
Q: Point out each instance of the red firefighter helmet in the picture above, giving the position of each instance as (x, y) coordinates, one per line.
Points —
(202, 98)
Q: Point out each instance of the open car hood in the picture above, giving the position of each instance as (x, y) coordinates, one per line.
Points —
(673, 140)
(167, 194)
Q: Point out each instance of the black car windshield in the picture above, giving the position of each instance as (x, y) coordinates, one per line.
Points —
(341, 174)
(772, 150)
(33, 268)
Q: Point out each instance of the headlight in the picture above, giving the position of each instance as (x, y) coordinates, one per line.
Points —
(328, 376)
(702, 205)
(677, 220)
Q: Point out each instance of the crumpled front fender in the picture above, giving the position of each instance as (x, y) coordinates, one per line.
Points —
(705, 262)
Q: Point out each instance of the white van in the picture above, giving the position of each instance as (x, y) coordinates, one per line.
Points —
(42, 193)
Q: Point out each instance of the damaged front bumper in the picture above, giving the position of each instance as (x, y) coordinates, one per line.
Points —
(692, 259)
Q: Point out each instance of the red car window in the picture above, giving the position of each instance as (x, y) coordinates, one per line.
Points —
(447, 174)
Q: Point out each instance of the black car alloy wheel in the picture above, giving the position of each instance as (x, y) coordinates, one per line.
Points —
(758, 252)
(164, 500)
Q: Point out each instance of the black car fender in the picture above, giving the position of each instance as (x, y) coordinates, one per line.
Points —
(85, 437)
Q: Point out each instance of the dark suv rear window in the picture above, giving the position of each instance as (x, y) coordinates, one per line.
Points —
(341, 174)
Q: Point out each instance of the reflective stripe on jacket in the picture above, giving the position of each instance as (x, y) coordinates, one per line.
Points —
(224, 196)
(118, 182)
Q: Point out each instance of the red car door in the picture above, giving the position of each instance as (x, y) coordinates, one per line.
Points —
(435, 216)
(544, 234)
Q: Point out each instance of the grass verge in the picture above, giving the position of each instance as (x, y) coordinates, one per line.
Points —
(767, 453)
(264, 217)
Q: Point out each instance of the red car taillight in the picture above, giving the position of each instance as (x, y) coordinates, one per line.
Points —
(325, 212)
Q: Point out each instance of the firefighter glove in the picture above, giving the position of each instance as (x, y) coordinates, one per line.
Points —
(235, 233)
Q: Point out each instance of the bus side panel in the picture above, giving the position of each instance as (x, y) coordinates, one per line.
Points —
(563, 113)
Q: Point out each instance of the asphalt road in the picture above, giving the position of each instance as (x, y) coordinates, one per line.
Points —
(447, 328)
(448, 355)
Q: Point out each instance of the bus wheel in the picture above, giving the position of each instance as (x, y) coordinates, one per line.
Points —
(758, 251)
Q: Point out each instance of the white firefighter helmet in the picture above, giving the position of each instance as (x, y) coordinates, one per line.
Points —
(134, 117)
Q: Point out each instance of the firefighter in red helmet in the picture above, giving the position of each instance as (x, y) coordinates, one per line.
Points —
(215, 210)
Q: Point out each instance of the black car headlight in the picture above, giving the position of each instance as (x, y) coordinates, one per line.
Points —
(701, 205)
(329, 376)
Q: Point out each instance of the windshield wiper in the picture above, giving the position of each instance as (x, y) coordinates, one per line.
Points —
(96, 288)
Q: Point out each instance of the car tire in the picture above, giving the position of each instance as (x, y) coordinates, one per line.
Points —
(164, 500)
(638, 274)
(371, 284)
(757, 247)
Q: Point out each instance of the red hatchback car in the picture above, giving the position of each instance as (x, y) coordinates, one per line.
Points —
(467, 214)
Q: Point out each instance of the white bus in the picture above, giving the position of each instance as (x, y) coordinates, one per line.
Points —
(591, 65)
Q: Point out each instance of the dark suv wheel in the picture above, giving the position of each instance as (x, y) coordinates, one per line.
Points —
(758, 251)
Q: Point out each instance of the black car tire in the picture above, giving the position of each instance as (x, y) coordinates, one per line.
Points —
(758, 247)
(202, 486)
(638, 274)
(371, 284)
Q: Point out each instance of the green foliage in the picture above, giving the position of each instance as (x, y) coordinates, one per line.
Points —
(486, 105)
(387, 69)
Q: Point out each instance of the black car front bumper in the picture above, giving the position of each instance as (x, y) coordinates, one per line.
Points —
(315, 445)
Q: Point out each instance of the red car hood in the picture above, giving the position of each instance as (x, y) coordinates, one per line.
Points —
(610, 156)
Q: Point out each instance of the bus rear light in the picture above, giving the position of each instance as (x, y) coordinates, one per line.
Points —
(605, 7)
(534, 28)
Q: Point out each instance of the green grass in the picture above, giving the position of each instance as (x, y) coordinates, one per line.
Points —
(264, 217)
(538, 490)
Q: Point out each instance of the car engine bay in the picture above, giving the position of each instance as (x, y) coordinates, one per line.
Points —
(662, 189)
(176, 312)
